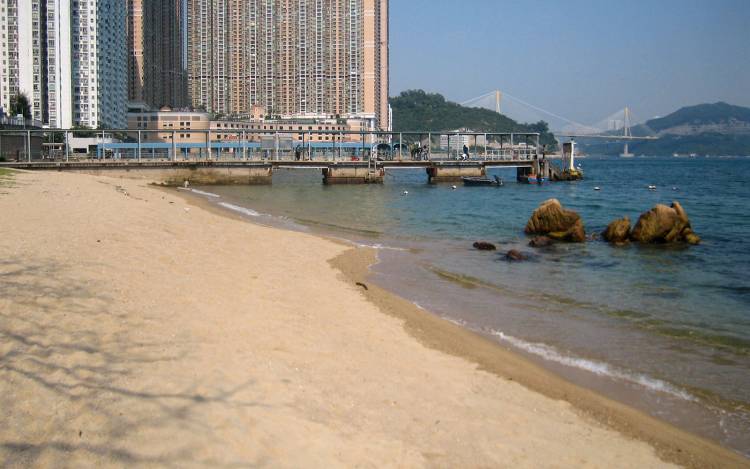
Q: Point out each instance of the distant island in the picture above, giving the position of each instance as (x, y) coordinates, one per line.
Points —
(706, 129)
(419, 110)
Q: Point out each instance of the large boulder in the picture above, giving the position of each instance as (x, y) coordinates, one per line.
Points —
(560, 224)
(618, 232)
(664, 224)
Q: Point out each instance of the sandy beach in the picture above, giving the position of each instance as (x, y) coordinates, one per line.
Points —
(141, 328)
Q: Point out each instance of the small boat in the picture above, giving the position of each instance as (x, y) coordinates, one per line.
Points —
(532, 179)
(482, 181)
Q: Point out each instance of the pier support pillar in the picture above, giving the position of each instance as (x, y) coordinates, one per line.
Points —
(523, 173)
(353, 175)
(453, 173)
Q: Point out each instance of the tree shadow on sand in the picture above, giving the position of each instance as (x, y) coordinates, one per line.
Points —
(52, 357)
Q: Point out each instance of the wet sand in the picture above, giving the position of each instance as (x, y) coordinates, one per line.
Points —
(141, 328)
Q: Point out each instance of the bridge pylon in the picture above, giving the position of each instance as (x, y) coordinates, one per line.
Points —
(627, 133)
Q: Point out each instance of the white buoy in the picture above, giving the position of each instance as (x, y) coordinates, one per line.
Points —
(453, 187)
(406, 192)
(674, 188)
(597, 188)
(652, 187)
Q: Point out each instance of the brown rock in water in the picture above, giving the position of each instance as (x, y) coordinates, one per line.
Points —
(558, 223)
(515, 256)
(484, 246)
(618, 231)
(664, 224)
(541, 242)
(574, 234)
(690, 237)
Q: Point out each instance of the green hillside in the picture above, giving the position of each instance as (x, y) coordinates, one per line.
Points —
(415, 110)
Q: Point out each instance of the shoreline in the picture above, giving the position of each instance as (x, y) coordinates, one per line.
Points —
(431, 330)
(139, 329)
(447, 337)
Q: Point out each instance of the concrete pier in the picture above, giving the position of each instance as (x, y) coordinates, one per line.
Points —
(351, 174)
(454, 172)
(260, 171)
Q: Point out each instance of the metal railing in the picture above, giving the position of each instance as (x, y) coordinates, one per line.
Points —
(221, 144)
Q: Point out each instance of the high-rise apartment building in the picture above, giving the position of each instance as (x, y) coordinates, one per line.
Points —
(156, 69)
(135, 50)
(68, 57)
(290, 57)
(99, 63)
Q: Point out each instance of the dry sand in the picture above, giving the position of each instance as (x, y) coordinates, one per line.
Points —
(140, 329)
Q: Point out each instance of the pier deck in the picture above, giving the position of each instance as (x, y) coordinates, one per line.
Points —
(233, 171)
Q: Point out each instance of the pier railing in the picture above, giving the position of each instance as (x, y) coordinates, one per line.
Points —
(229, 144)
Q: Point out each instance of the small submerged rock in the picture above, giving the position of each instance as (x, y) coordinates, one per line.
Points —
(515, 256)
(484, 246)
(541, 242)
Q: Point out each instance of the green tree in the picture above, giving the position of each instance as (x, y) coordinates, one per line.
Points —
(19, 104)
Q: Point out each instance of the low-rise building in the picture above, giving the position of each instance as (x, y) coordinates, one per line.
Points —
(160, 126)
(193, 127)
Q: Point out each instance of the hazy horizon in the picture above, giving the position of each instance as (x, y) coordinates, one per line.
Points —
(653, 57)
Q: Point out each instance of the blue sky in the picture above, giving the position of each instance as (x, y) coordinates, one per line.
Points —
(582, 59)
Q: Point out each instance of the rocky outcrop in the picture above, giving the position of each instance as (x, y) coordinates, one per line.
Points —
(664, 224)
(618, 232)
(484, 246)
(556, 222)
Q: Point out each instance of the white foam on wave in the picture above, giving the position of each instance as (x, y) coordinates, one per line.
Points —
(199, 192)
(242, 210)
(207, 194)
(598, 368)
(379, 247)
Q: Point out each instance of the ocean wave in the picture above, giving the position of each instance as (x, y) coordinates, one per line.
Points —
(335, 227)
(598, 368)
(379, 247)
(199, 192)
(238, 209)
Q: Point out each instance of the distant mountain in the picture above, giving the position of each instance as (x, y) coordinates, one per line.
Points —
(418, 110)
(705, 129)
(719, 118)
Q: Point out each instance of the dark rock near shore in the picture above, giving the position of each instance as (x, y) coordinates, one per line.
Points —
(484, 246)
(515, 256)
(618, 232)
(541, 242)
(556, 222)
(663, 224)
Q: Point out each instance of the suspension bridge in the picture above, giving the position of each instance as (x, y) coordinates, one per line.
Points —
(615, 127)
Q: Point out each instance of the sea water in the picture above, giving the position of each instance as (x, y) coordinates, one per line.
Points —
(663, 328)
